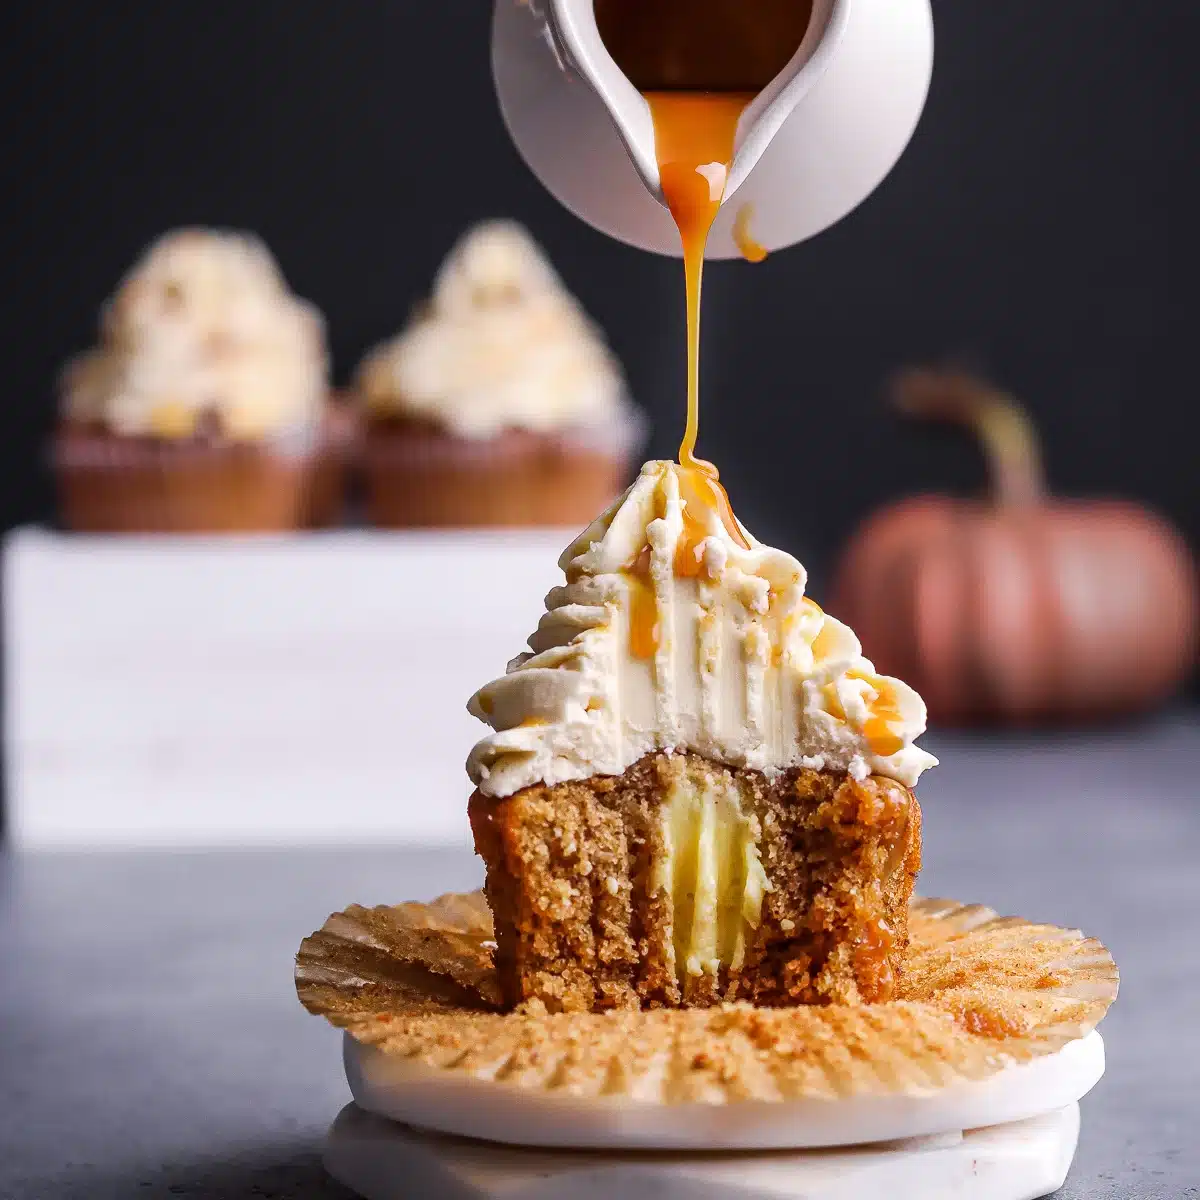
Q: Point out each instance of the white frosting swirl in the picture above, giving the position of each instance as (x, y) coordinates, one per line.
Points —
(501, 345)
(204, 325)
(676, 630)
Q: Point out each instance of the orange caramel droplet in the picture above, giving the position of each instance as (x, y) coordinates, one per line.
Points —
(750, 249)
(643, 619)
(833, 703)
(872, 951)
(884, 711)
(643, 607)
(701, 491)
(689, 562)
(880, 736)
(822, 646)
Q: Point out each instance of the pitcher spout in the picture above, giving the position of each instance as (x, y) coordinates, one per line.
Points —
(573, 29)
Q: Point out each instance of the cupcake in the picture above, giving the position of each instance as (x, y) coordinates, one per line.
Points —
(205, 406)
(697, 790)
(500, 404)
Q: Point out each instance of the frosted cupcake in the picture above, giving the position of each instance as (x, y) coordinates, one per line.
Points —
(205, 406)
(500, 404)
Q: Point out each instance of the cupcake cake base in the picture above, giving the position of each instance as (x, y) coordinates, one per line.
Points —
(381, 1160)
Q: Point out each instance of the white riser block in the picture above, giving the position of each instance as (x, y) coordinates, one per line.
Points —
(384, 1161)
(178, 691)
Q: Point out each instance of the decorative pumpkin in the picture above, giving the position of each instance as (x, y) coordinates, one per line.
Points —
(1022, 607)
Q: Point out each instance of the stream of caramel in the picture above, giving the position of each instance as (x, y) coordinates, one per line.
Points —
(693, 139)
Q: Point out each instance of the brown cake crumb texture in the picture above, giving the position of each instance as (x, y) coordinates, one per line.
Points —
(583, 923)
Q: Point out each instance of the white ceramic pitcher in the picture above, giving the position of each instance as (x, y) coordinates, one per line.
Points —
(812, 145)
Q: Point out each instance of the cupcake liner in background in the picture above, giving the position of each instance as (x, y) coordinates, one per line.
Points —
(336, 459)
(418, 475)
(114, 484)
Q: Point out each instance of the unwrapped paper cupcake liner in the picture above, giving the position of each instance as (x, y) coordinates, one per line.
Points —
(980, 993)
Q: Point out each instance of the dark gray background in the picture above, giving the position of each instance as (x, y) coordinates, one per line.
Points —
(1039, 226)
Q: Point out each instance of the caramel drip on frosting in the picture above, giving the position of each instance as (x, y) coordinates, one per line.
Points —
(883, 711)
(702, 492)
(643, 607)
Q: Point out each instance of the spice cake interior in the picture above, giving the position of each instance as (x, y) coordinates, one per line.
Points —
(683, 882)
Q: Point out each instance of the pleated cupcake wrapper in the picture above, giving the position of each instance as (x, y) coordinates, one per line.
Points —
(425, 477)
(114, 484)
(980, 992)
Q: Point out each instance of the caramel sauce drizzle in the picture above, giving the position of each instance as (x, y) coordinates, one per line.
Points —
(822, 645)
(748, 246)
(701, 492)
(884, 710)
(643, 607)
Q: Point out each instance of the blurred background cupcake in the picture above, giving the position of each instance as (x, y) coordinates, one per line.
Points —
(205, 407)
(500, 404)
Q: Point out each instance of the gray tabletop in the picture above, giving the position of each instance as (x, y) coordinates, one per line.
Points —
(151, 1043)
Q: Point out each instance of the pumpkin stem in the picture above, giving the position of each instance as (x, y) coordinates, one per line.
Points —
(1010, 442)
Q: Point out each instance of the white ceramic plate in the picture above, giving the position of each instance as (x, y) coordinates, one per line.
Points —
(499, 1112)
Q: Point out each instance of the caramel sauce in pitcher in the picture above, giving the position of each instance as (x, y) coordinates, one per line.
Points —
(702, 45)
